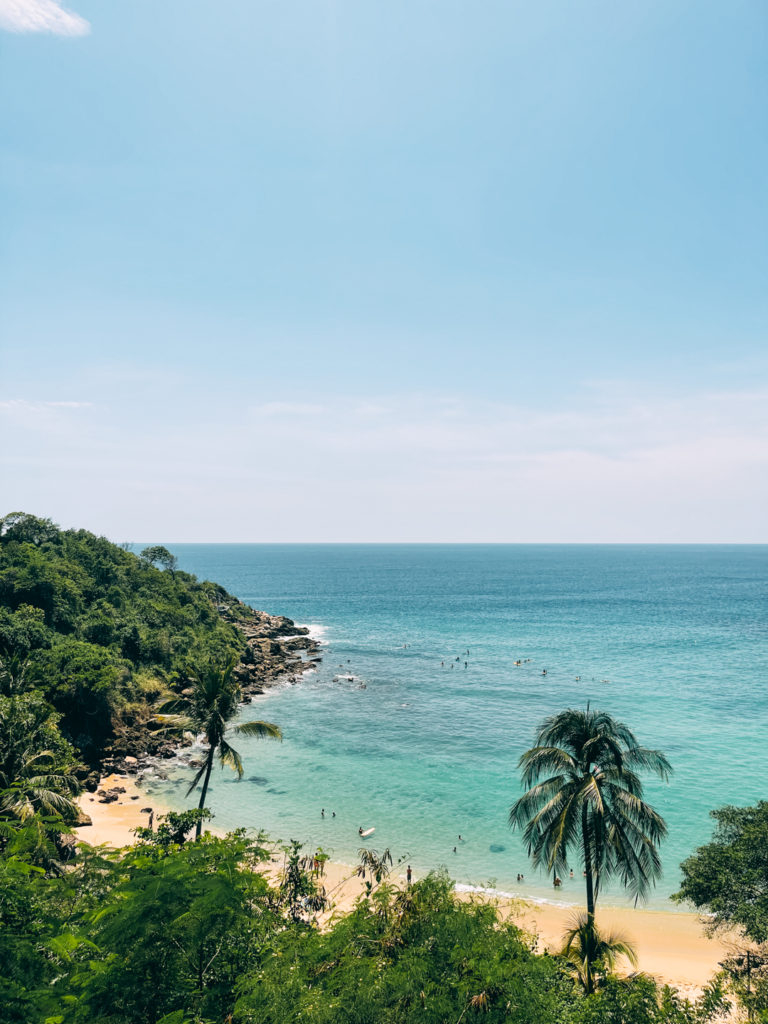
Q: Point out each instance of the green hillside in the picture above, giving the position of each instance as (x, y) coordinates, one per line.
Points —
(99, 632)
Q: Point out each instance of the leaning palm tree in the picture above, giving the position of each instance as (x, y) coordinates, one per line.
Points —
(207, 711)
(590, 800)
(592, 953)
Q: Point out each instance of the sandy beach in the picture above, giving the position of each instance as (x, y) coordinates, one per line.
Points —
(673, 947)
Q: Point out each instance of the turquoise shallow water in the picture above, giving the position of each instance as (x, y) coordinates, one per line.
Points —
(674, 640)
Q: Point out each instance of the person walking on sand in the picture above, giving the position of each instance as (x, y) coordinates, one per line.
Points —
(408, 875)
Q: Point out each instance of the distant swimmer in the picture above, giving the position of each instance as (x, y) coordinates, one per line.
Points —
(558, 882)
(460, 839)
(465, 664)
(360, 832)
(578, 679)
(442, 664)
(333, 814)
(543, 671)
(322, 812)
(454, 849)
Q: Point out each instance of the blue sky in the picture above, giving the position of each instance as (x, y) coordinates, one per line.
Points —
(406, 271)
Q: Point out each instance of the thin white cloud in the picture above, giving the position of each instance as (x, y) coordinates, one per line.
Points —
(41, 16)
(22, 404)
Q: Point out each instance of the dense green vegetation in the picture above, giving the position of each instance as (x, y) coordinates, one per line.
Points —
(99, 632)
(728, 878)
(173, 931)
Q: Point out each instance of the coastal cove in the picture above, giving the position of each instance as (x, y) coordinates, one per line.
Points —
(670, 639)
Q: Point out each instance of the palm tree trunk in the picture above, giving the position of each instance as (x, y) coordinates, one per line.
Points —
(204, 793)
(588, 865)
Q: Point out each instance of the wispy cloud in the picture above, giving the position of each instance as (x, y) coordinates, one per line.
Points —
(41, 16)
(23, 404)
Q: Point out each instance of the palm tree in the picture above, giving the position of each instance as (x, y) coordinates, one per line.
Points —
(207, 710)
(591, 798)
(36, 772)
(592, 953)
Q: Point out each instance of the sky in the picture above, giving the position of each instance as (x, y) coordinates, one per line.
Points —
(347, 270)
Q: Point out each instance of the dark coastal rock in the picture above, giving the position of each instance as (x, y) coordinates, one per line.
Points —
(275, 650)
(82, 820)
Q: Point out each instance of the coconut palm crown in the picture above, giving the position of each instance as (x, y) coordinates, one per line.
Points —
(585, 795)
(593, 954)
(207, 710)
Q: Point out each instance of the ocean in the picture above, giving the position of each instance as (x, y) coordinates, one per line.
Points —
(673, 640)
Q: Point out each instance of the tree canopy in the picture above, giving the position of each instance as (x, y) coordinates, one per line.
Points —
(728, 877)
(96, 629)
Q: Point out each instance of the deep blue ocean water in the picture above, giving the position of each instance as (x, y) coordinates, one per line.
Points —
(671, 639)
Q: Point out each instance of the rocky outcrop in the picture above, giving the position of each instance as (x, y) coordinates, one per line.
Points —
(276, 649)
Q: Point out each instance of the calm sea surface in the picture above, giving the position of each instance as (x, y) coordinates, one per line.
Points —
(673, 640)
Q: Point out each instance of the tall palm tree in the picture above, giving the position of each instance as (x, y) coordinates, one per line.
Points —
(592, 953)
(208, 710)
(591, 801)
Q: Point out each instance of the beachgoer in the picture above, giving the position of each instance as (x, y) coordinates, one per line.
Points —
(322, 812)
(454, 849)
(333, 814)
(543, 671)
(460, 839)
(408, 875)
(360, 830)
(558, 881)
(571, 872)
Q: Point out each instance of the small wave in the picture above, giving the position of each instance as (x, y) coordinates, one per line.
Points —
(504, 894)
(317, 631)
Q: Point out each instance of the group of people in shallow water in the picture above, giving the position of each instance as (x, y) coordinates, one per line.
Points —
(557, 880)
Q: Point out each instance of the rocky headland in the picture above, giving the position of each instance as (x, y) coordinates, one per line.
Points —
(276, 650)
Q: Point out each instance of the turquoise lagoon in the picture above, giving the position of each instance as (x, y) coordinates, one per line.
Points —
(672, 639)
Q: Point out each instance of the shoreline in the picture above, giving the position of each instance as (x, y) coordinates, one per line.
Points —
(671, 946)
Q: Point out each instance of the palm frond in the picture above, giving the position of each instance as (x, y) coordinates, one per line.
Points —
(259, 730)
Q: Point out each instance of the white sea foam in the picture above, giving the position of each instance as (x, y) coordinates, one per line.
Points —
(504, 894)
(317, 631)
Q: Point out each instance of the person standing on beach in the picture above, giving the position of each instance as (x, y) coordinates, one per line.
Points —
(408, 875)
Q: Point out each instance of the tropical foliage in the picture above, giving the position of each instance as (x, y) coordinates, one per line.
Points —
(193, 931)
(95, 629)
(594, 955)
(206, 709)
(585, 798)
(728, 877)
(36, 762)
